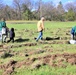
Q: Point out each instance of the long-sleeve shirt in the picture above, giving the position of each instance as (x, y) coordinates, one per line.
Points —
(40, 25)
(2, 23)
(12, 34)
(73, 31)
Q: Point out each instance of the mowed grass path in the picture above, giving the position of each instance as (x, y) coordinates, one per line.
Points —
(28, 30)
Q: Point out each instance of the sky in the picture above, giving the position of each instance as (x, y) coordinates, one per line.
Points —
(9, 2)
(63, 1)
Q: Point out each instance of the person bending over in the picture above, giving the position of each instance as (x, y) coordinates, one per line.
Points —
(73, 33)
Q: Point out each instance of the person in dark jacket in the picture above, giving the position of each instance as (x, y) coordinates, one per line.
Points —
(11, 35)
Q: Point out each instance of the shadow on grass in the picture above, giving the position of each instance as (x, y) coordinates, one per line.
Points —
(52, 38)
(21, 40)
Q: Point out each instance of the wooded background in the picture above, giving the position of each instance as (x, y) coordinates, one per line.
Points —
(33, 10)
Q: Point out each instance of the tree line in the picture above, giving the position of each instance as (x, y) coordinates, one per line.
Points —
(34, 9)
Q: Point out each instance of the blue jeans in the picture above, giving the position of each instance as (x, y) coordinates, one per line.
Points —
(40, 35)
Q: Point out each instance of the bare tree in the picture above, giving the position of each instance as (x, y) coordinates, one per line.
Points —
(60, 8)
(1, 9)
(72, 6)
(39, 5)
(60, 11)
(48, 10)
(17, 6)
(34, 9)
(29, 4)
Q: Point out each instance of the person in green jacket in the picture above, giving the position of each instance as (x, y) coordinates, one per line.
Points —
(73, 33)
(2, 24)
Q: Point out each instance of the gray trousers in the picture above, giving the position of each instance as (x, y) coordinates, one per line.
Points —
(4, 36)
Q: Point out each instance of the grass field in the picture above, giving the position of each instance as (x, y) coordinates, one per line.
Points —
(48, 57)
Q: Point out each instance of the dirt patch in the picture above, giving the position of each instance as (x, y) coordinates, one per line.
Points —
(6, 47)
(5, 53)
(21, 45)
(57, 60)
(36, 52)
(16, 46)
(1, 46)
(55, 42)
(54, 60)
(9, 71)
(8, 67)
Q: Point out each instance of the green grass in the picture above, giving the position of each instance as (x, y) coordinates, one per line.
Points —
(1, 72)
(28, 30)
(46, 70)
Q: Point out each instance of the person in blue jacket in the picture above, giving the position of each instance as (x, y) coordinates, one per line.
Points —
(73, 33)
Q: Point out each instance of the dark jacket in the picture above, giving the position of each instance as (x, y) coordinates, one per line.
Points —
(12, 33)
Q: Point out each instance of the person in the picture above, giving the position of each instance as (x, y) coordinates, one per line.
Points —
(11, 35)
(2, 23)
(40, 26)
(2, 29)
(4, 34)
(73, 33)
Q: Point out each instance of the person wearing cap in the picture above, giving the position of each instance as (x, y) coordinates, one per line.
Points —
(40, 27)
